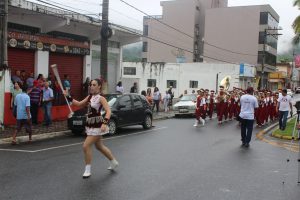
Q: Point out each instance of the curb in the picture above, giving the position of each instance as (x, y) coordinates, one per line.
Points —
(260, 134)
(43, 136)
(35, 137)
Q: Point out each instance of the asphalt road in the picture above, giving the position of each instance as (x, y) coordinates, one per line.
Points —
(174, 160)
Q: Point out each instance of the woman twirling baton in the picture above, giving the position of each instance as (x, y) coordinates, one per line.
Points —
(96, 126)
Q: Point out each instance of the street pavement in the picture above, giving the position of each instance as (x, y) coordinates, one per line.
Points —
(57, 128)
(173, 160)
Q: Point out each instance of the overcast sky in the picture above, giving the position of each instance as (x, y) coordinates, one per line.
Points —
(122, 14)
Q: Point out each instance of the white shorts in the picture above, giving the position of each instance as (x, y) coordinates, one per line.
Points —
(95, 131)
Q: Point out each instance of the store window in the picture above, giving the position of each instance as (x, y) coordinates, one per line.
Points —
(151, 83)
(171, 83)
(193, 84)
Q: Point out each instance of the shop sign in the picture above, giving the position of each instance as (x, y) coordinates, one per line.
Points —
(46, 43)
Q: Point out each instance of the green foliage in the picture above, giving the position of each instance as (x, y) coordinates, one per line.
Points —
(296, 25)
(288, 129)
(132, 53)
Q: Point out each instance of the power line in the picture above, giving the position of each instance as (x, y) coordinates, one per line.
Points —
(157, 29)
(181, 31)
(159, 41)
(245, 54)
(51, 4)
(165, 43)
(157, 19)
(65, 14)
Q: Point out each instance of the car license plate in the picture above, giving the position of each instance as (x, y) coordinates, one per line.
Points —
(183, 110)
(77, 123)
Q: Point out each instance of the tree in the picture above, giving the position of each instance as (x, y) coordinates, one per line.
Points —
(296, 25)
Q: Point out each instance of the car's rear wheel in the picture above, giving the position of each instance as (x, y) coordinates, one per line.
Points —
(112, 127)
(147, 122)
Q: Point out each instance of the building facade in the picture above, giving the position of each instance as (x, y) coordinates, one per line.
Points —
(185, 76)
(243, 34)
(39, 36)
(179, 40)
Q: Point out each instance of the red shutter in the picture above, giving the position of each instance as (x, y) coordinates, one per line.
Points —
(71, 65)
(21, 59)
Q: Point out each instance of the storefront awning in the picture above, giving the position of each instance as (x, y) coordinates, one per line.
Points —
(276, 80)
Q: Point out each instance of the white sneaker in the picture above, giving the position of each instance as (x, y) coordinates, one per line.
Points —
(86, 174)
(203, 122)
(113, 165)
(196, 123)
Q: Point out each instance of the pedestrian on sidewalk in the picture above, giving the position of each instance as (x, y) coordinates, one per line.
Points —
(47, 103)
(22, 102)
(166, 100)
(248, 105)
(284, 106)
(96, 125)
(156, 99)
(17, 90)
(35, 95)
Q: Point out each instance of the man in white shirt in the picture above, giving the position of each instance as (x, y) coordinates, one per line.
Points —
(284, 106)
(248, 105)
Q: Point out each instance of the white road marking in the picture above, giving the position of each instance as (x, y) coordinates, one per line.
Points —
(17, 150)
(79, 143)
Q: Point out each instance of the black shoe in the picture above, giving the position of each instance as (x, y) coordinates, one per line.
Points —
(243, 145)
(247, 145)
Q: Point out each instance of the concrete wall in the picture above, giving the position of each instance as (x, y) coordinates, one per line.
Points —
(183, 15)
(204, 73)
(174, 16)
(234, 28)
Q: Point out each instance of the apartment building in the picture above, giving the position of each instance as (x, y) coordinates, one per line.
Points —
(176, 35)
(242, 34)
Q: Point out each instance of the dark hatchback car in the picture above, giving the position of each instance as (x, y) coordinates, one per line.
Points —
(126, 110)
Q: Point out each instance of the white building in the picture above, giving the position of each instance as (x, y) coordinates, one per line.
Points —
(185, 76)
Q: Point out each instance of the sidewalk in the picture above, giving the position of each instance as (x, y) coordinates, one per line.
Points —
(57, 128)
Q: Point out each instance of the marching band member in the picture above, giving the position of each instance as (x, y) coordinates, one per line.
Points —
(261, 110)
(221, 104)
(211, 101)
(200, 107)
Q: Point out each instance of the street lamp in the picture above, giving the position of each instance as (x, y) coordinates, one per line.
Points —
(217, 81)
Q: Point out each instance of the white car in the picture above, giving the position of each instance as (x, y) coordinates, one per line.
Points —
(186, 105)
(290, 92)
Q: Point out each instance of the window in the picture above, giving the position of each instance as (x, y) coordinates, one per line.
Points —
(193, 84)
(171, 83)
(125, 101)
(151, 83)
(271, 40)
(270, 59)
(145, 30)
(263, 18)
(129, 71)
(137, 103)
(145, 46)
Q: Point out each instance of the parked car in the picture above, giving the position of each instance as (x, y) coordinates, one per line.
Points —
(186, 105)
(126, 110)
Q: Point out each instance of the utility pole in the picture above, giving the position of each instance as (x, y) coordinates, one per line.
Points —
(106, 33)
(3, 34)
(3, 55)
